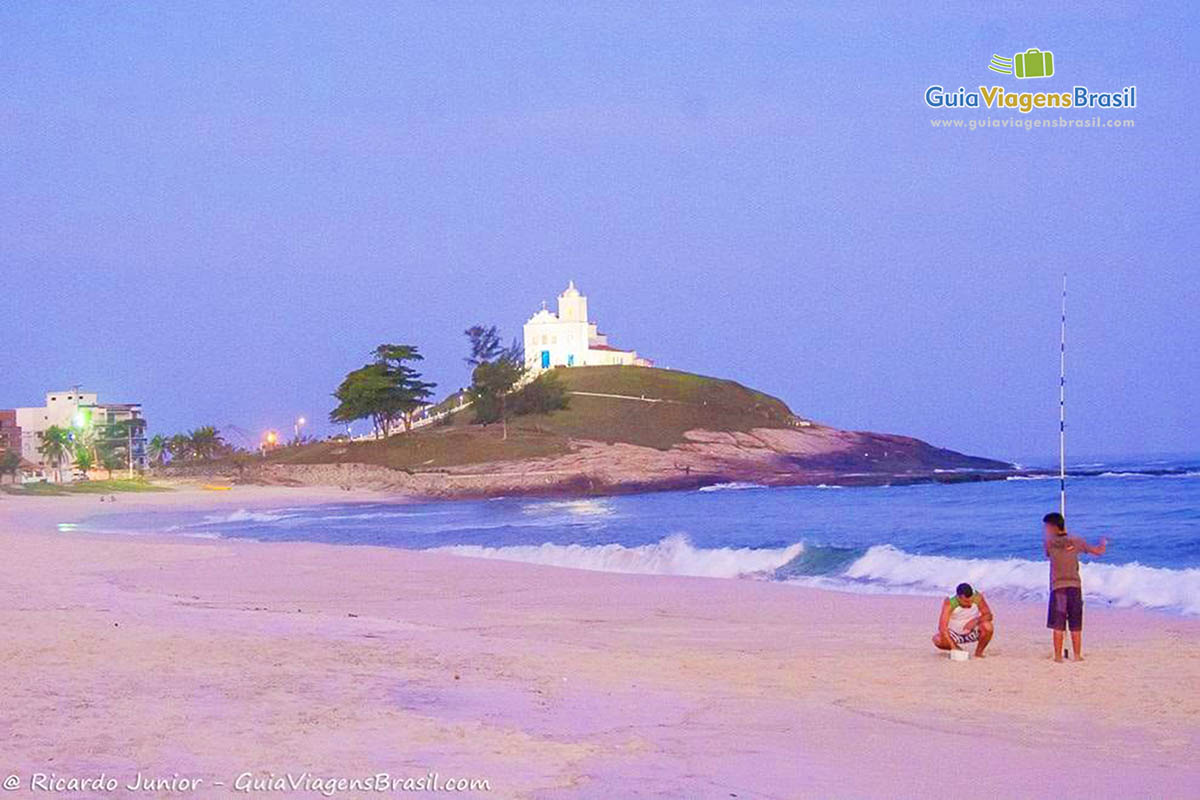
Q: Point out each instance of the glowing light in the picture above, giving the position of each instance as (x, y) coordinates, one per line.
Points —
(82, 418)
(271, 438)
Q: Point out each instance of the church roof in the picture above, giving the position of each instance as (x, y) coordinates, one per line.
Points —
(570, 291)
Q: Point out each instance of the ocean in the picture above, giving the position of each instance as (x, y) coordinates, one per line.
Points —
(921, 539)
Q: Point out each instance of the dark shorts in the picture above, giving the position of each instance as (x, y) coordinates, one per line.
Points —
(1066, 609)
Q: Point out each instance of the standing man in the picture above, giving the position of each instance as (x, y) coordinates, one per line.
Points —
(1066, 590)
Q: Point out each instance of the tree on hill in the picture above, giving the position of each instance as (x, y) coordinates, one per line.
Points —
(485, 344)
(544, 395)
(384, 391)
(498, 371)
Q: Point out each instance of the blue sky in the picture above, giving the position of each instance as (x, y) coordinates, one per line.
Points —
(219, 209)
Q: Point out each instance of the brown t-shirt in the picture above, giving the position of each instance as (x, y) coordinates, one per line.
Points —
(1063, 552)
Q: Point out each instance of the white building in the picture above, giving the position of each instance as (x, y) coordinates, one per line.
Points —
(118, 424)
(570, 339)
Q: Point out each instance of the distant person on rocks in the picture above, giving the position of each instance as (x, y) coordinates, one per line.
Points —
(966, 618)
(1066, 590)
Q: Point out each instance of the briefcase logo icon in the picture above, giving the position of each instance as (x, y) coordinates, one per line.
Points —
(1033, 63)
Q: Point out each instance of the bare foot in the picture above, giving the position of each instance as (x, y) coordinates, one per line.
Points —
(979, 654)
(1057, 658)
(1079, 656)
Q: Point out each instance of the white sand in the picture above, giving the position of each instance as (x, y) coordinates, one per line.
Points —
(212, 658)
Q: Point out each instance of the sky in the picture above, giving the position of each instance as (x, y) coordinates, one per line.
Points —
(219, 209)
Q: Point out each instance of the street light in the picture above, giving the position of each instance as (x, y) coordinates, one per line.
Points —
(296, 428)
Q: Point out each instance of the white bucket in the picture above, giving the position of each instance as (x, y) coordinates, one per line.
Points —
(960, 655)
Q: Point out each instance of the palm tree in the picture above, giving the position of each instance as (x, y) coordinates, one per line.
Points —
(56, 443)
(157, 448)
(205, 441)
(179, 446)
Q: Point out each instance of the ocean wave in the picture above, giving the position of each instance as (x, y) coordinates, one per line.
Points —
(1031, 478)
(674, 555)
(879, 569)
(1130, 584)
(244, 515)
(731, 486)
(594, 507)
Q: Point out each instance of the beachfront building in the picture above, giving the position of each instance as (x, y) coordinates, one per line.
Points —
(570, 339)
(10, 431)
(103, 426)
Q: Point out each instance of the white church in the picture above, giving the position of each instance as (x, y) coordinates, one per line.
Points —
(569, 339)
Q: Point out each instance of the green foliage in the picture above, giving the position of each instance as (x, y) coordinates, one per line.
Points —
(84, 459)
(10, 462)
(158, 448)
(498, 370)
(86, 487)
(485, 344)
(205, 443)
(542, 396)
(113, 458)
(180, 447)
(56, 444)
(384, 391)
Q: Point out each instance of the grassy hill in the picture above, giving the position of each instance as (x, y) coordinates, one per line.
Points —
(642, 406)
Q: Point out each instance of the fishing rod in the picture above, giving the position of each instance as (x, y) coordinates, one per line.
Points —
(1062, 404)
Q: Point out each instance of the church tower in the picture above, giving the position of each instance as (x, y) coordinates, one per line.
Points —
(572, 306)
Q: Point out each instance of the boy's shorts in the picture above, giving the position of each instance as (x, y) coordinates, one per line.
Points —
(1066, 609)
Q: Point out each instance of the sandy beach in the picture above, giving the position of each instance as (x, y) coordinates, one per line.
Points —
(213, 659)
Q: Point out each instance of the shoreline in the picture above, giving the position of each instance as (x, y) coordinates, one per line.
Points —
(517, 479)
(210, 657)
(680, 551)
(509, 481)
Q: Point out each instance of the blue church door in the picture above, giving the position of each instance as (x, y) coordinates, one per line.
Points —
(545, 359)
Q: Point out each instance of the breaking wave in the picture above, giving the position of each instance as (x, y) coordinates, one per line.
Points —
(731, 486)
(243, 515)
(1117, 584)
(674, 555)
(882, 568)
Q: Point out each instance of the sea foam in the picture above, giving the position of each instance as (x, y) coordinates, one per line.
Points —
(1130, 584)
(674, 555)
